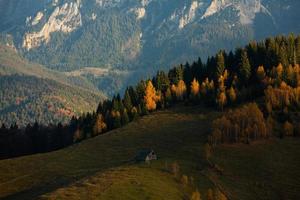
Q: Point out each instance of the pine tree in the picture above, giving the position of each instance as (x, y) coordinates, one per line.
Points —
(127, 100)
(161, 81)
(220, 65)
(244, 67)
(134, 113)
(168, 97)
(124, 118)
(100, 107)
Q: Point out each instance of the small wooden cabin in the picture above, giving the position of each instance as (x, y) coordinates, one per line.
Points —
(145, 155)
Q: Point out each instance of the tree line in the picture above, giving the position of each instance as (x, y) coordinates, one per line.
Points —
(226, 79)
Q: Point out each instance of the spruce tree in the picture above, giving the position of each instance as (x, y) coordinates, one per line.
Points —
(124, 118)
(127, 101)
(244, 68)
(220, 64)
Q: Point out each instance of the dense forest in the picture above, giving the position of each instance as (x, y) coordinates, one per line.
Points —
(264, 76)
(26, 99)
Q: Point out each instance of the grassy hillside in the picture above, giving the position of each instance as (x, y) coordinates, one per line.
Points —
(30, 92)
(99, 168)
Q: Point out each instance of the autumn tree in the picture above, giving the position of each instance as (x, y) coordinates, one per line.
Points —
(196, 195)
(195, 89)
(99, 126)
(151, 97)
(240, 125)
(210, 194)
(179, 90)
(221, 100)
(175, 169)
(116, 119)
(184, 180)
(219, 195)
(288, 129)
(260, 73)
(232, 94)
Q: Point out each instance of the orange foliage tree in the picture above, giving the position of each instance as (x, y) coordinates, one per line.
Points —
(240, 125)
(151, 97)
(195, 88)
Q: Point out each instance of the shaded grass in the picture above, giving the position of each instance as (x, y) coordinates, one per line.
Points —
(99, 168)
(173, 134)
(266, 170)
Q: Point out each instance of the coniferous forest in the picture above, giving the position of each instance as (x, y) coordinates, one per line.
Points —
(256, 88)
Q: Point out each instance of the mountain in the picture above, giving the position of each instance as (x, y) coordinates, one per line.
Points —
(30, 92)
(105, 45)
(134, 36)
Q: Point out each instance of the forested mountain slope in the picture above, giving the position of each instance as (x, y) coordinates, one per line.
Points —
(29, 92)
(142, 36)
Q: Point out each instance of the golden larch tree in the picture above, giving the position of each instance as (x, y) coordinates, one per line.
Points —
(151, 97)
(221, 100)
(195, 87)
(181, 90)
(99, 125)
(232, 94)
(196, 195)
(260, 73)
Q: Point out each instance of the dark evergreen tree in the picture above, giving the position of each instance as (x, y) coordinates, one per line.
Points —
(220, 64)
(124, 118)
(127, 101)
(244, 67)
(161, 81)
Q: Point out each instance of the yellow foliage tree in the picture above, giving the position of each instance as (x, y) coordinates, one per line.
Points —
(221, 100)
(260, 73)
(151, 97)
(179, 90)
(232, 94)
(99, 125)
(279, 71)
(288, 129)
(210, 194)
(196, 195)
(195, 87)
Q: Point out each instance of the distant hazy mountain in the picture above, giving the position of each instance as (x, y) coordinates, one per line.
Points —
(112, 43)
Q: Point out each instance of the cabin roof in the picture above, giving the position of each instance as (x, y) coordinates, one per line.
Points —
(142, 154)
